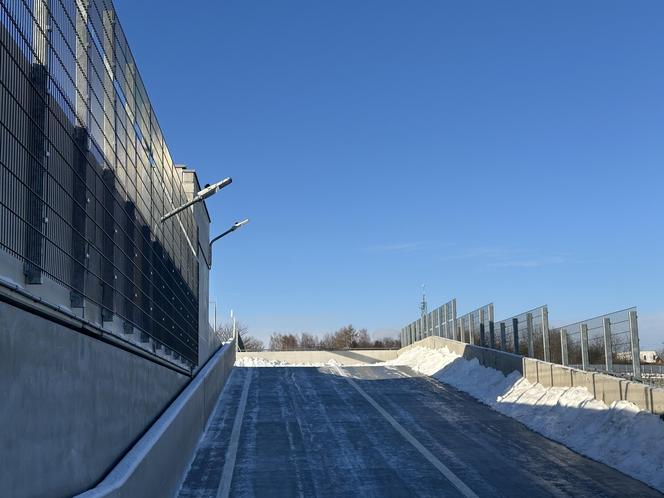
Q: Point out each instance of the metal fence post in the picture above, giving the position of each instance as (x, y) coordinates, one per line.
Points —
(515, 332)
(454, 316)
(443, 321)
(482, 335)
(563, 347)
(492, 331)
(608, 348)
(584, 346)
(636, 348)
(503, 337)
(545, 334)
(529, 335)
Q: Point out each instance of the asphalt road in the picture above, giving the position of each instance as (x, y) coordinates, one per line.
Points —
(379, 431)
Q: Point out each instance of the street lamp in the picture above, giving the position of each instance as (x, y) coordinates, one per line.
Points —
(208, 191)
(233, 227)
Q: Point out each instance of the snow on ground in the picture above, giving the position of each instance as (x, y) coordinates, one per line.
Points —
(254, 361)
(619, 435)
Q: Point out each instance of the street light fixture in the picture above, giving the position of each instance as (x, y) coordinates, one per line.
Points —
(233, 227)
(208, 191)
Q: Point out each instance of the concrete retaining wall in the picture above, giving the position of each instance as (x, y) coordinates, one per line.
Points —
(500, 360)
(606, 388)
(353, 357)
(157, 463)
(70, 405)
(603, 387)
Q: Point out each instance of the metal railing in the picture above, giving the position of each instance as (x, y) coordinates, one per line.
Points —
(606, 343)
(85, 174)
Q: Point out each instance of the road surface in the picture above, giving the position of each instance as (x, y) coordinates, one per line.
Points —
(379, 431)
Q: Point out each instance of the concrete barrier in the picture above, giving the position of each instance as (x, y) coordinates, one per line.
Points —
(603, 387)
(345, 357)
(492, 358)
(155, 465)
(71, 405)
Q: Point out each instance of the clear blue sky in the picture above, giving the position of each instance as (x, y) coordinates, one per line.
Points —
(496, 151)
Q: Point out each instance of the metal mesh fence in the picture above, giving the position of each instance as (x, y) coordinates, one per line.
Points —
(439, 322)
(85, 173)
(525, 333)
(602, 343)
(475, 327)
(607, 343)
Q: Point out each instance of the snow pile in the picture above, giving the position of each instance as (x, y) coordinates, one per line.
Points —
(255, 361)
(619, 435)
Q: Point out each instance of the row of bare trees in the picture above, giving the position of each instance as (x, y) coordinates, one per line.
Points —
(347, 337)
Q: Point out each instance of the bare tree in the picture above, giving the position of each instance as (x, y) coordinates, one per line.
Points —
(362, 339)
(251, 343)
(283, 342)
(308, 342)
(225, 330)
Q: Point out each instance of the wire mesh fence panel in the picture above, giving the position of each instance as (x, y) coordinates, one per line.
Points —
(85, 173)
(443, 319)
(474, 326)
(609, 343)
(524, 333)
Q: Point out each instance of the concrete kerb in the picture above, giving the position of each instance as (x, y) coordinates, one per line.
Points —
(156, 463)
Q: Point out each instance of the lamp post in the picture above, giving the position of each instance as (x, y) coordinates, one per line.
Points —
(233, 227)
(208, 191)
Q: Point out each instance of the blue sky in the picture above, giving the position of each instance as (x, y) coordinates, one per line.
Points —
(507, 152)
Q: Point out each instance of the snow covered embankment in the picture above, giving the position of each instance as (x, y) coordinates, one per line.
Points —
(619, 435)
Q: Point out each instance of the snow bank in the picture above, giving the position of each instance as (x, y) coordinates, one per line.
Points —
(619, 435)
(253, 361)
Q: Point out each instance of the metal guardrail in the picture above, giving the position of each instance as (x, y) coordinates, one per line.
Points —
(85, 174)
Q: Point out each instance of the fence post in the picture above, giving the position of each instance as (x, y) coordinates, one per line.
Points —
(545, 334)
(636, 348)
(471, 329)
(584, 346)
(441, 322)
(454, 316)
(503, 337)
(608, 348)
(563, 347)
(492, 330)
(515, 332)
(482, 334)
(529, 335)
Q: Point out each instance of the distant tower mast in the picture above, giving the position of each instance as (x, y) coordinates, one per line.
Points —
(423, 304)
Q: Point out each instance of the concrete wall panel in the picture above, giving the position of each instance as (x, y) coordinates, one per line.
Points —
(158, 461)
(72, 404)
(350, 357)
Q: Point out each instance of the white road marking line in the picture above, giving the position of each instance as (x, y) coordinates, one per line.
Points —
(229, 465)
(449, 475)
